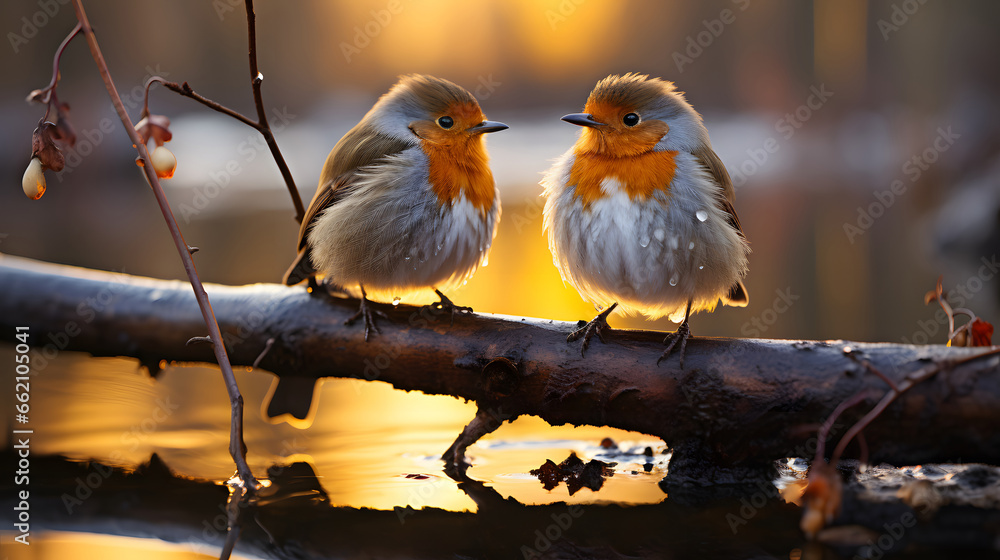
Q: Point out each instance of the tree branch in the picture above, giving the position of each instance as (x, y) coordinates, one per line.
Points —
(738, 403)
(236, 446)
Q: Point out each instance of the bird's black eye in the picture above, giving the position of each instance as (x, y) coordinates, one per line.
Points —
(630, 119)
(446, 122)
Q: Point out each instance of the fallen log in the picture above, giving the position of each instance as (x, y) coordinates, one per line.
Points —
(738, 404)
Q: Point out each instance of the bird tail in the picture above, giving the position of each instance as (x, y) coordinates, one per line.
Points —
(737, 296)
(301, 269)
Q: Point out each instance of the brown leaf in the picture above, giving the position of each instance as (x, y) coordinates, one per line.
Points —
(549, 473)
(64, 128)
(35, 96)
(821, 499)
(156, 127)
(575, 472)
(44, 148)
(982, 333)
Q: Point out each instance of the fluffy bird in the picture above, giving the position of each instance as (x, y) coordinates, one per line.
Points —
(639, 212)
(406, 200)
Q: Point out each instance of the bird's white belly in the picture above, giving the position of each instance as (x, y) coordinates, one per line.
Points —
(650, 255)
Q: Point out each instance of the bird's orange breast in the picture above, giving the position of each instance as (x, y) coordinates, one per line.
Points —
(458, 168)
(639, 175)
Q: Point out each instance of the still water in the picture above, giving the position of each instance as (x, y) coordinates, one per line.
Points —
(371, 446)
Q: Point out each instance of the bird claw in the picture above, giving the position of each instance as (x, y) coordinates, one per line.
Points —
(598, 325)
(446, 305)
(682, 334)
(366, 311)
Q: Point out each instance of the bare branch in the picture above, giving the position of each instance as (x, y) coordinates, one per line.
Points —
(237, 447)
(737, 404)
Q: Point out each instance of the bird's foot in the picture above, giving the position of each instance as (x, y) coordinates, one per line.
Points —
(446, 306)
(325, 289)
(368, 313)
(598, 325)
(682, 334)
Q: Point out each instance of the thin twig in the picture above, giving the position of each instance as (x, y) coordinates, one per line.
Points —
(824, 430)
(47, 90)
(185, 90)
(255, 80)
(260, 125)
(237, 447)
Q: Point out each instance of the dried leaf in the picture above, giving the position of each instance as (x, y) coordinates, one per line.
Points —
(44, 148)
(35, 96)
(575, 472)
(821, 499)
(982, 333)
(64, 128)
(549, 473)
(156, 127)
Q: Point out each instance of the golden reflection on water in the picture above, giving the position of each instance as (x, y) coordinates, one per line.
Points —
(57, 545)
(366, 437)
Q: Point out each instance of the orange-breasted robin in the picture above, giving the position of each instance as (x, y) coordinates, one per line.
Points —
(406, 200)
(639, 212)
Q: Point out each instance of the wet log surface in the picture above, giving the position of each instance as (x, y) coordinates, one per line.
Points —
(738, 404)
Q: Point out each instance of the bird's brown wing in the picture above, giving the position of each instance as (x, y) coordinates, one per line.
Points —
(363, 145)
(711, 162)
(737, 295)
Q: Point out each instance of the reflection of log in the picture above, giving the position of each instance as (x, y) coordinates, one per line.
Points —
(294, 519)
(737, 402)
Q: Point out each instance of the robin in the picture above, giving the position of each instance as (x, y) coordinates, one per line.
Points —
(639, 212)
(406, 200)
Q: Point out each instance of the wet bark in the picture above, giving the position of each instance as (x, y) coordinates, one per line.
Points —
(737, 405)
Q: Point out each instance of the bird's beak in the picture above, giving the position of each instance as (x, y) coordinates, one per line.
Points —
(487, 126)
(583, 119)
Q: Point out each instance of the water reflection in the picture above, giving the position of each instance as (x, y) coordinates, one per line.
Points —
(365, 439)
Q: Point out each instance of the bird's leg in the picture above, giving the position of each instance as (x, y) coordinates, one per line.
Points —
(682, 334)
(597, 325)
(366, 311)
(446, 305)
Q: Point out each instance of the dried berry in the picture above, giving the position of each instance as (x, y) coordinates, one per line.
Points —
(164, 162)
(33, 181)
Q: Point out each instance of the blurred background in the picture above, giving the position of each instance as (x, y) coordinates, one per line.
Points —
(863, 138)
(815, 107)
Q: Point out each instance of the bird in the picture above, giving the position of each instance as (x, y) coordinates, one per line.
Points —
(639, 212)
(406, 200)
